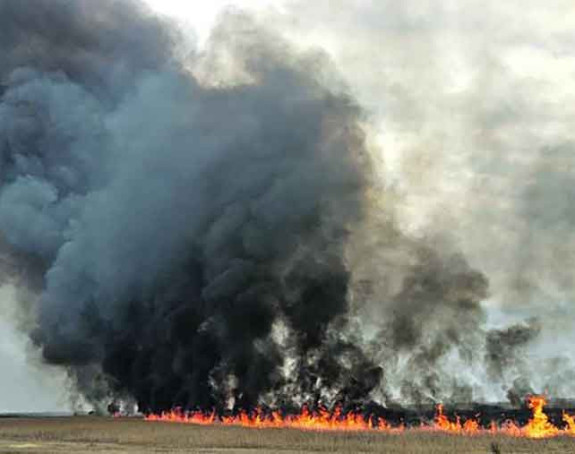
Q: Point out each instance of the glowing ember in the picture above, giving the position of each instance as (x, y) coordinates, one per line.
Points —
(538, 426)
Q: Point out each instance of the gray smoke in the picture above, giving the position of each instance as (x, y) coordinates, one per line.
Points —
(473, 105)
(209, 229)
(180, 226)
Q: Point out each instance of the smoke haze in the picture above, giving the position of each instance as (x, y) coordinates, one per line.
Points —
(261, 221)
(473, 109)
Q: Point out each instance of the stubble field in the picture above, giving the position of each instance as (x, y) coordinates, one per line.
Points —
(108, 435)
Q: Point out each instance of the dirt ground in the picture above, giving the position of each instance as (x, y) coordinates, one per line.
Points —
(110, 436)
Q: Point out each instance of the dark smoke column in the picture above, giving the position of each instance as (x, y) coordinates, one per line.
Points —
(189, 236)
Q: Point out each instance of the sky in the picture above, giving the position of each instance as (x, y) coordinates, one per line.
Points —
(202, 15)
(473, 105)
(32, 387)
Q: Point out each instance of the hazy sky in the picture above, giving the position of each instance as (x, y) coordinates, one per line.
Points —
(202, 15)
(25, 387)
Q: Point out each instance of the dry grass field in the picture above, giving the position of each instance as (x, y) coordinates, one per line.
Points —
(106, 435)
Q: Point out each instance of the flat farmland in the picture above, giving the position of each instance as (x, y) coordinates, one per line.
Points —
(132, 435)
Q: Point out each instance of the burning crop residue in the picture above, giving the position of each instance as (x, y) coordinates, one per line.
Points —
(443, 423)
(321, 419)
(538, 426)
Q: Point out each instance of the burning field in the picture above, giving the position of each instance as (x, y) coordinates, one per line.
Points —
(486, 429)
(215, 235)
(308, 432)
(538, 425)
(133, 435)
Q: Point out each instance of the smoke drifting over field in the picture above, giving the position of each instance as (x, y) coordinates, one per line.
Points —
(207, 229)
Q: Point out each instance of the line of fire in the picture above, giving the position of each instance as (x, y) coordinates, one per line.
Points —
(533, 421)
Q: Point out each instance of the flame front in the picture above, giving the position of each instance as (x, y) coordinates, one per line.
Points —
(538, 425)
(321, 419)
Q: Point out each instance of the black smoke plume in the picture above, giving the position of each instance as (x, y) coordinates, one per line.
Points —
(189, 220)
(191, 236)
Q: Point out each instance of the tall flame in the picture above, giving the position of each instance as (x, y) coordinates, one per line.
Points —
(539, 425)
(322, 419)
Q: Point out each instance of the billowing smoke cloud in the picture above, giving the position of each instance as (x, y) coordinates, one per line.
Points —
(213, 230)
(190, 235)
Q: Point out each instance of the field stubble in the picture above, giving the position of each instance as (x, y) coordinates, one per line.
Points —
(131, 435)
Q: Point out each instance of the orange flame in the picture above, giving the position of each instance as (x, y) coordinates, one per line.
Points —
(321, 419)
(442, 423)
(538, 426)
(570, 421)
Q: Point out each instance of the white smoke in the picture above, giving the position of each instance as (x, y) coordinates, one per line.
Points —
(474, 102)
